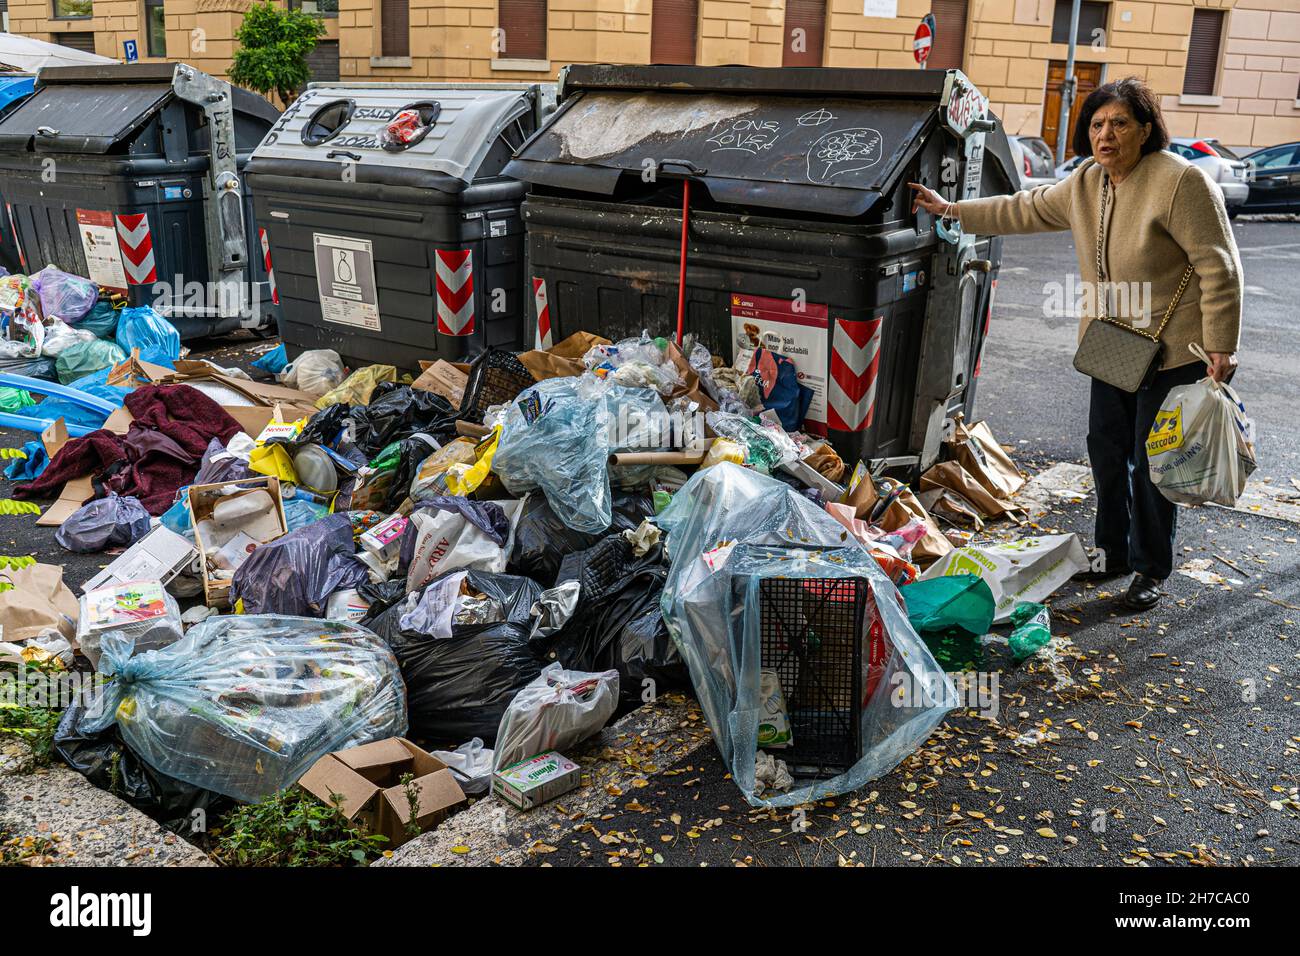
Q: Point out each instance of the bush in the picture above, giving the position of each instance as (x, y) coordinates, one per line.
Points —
(273, 48)
(293, 828)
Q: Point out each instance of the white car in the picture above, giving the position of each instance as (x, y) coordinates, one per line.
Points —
(1229, 172)
(1034, 160)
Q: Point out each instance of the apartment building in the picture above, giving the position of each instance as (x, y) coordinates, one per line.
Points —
(1224, 68)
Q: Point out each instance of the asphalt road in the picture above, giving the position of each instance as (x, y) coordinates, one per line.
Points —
(1169, 736)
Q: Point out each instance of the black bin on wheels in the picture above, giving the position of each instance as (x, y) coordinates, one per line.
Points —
(800, 231)
(132, 176)
(394, 249)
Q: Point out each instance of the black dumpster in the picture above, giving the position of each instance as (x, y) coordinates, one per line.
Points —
(14, 88)
(395, 248)
(801, 235)
(131, 175)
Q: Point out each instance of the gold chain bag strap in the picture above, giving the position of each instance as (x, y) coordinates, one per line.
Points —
(1113, 351)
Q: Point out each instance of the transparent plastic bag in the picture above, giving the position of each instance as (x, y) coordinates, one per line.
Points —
(557, 710)
(729, 529)
(243, 705)
(144, 329)
(87, 358)
(556, 438)
(357, 388)
(116, 521)
(314, 372)
(64, 295)
(60, 337)
(141, 611)
(1200, 449)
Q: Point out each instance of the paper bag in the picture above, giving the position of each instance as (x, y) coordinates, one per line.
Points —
(955, 477)
(1028, 569)
(563, 359)
(443, 378)
(979, 453)
(38, 602)
(862, 497)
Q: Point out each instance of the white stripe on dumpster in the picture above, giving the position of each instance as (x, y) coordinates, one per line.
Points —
(454, 279)
(855, 362)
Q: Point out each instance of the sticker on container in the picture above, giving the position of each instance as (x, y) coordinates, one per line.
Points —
(98, 233)
(790, 327)
(345, 279)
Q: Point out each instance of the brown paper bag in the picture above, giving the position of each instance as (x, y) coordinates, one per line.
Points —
(39, 601)
(691, 387)
(562, 359)
(951, 475)
(979, 453)
(443, 378)
(863, 497)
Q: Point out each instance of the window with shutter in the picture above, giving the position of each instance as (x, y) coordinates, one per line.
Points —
(523, 24)
(394, 28)
(1203, 52)
(674, 25)
(1092, 18)
(805, 32)
(949, 35)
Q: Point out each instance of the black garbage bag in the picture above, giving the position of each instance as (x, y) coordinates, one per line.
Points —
(617, 624)
(381, 597)
(115, 521)
(457, 688)
(399, 411)
(45, 368)
(104, 760)
(542, 539)
(297, 573)
(411, 452)
(325, 427)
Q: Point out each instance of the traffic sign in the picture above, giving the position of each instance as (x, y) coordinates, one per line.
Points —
(922, 41)
(131, 50)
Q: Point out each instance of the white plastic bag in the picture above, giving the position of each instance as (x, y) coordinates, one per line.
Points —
(1026, 569)
(471, 763)
(447, 541)
(1201, 446)
(314, 372)
(557, 710)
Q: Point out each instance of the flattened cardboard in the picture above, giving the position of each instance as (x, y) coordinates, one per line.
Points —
(368, 779)
(562, 359)
(158, 556)
(443, 378)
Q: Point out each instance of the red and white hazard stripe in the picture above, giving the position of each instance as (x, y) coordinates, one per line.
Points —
(988, 319)
(136, 243)
(266, 257)
(13, 227)
(544, 339)
(454, 285)
(855, 364)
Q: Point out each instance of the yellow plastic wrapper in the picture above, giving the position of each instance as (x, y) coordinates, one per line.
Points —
(356, 388)
(463, 479)
(273, 460)
(724, 449)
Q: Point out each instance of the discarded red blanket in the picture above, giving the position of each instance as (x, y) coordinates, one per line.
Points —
(159, 454)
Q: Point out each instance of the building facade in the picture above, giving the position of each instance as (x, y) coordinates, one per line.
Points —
(1228, 69)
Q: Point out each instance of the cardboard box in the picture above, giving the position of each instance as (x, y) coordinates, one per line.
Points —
(368, 779)
(158, 556)
(443, 378)
(203, 499)
(384, 540)
(535, 780)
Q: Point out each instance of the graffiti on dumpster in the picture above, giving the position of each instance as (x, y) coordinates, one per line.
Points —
(746, 135)
(843, 151)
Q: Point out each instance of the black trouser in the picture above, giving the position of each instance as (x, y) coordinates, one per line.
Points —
(1135, 522)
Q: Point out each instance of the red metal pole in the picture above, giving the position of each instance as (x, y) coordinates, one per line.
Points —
(681, 275)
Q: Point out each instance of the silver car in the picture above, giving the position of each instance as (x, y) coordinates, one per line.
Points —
(1223, 166)
(1229, 172)
(1034, 160)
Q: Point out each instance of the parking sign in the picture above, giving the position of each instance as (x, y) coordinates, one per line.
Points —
(131, 50)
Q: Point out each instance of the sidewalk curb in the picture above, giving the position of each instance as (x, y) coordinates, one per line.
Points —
(616, 761)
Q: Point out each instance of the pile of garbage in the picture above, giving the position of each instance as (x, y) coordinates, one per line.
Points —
(491, 560)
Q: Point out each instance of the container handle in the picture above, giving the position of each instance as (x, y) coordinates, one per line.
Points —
(686, 164)
(46, 131)
(355, 157)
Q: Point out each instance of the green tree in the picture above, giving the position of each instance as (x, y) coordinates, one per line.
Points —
(273, 48)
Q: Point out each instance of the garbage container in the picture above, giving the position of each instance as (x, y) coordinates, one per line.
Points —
(800, 238)
(391, 247)
(131, 176)
(14, 88)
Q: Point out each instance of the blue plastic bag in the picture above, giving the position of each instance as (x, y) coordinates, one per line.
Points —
(144, 329)
(273, 361)
(243, 705)
(29, 468)
(780, 387)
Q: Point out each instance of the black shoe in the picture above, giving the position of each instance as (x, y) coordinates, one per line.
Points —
(1090, 576)
(1143, 593)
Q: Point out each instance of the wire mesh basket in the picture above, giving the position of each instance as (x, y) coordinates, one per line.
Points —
(495, 377)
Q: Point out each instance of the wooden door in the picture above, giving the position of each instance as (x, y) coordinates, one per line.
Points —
(1089, 77)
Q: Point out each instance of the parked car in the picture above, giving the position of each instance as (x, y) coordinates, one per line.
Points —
(1034, 161)
(1229, 172)
(1223, 165)
(1275, 179)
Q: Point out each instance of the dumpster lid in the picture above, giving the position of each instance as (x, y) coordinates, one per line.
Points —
(331, 124)
(15, 86)
(82, 117)
(832, 155)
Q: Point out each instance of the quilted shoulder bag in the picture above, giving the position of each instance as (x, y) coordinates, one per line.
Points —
(1113, 351)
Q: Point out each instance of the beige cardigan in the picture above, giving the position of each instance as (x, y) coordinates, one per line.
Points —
(1166, 214)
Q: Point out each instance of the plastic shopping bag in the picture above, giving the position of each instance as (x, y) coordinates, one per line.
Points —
(557, 710)
(1200, 449)
(63, 295)
(144, 329)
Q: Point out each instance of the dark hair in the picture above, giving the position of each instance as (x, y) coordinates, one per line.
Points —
(1141, 101)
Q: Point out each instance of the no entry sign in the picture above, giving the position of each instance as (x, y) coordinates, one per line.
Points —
(922, 41)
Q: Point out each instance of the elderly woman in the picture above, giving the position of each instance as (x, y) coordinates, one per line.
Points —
(1142, 218)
